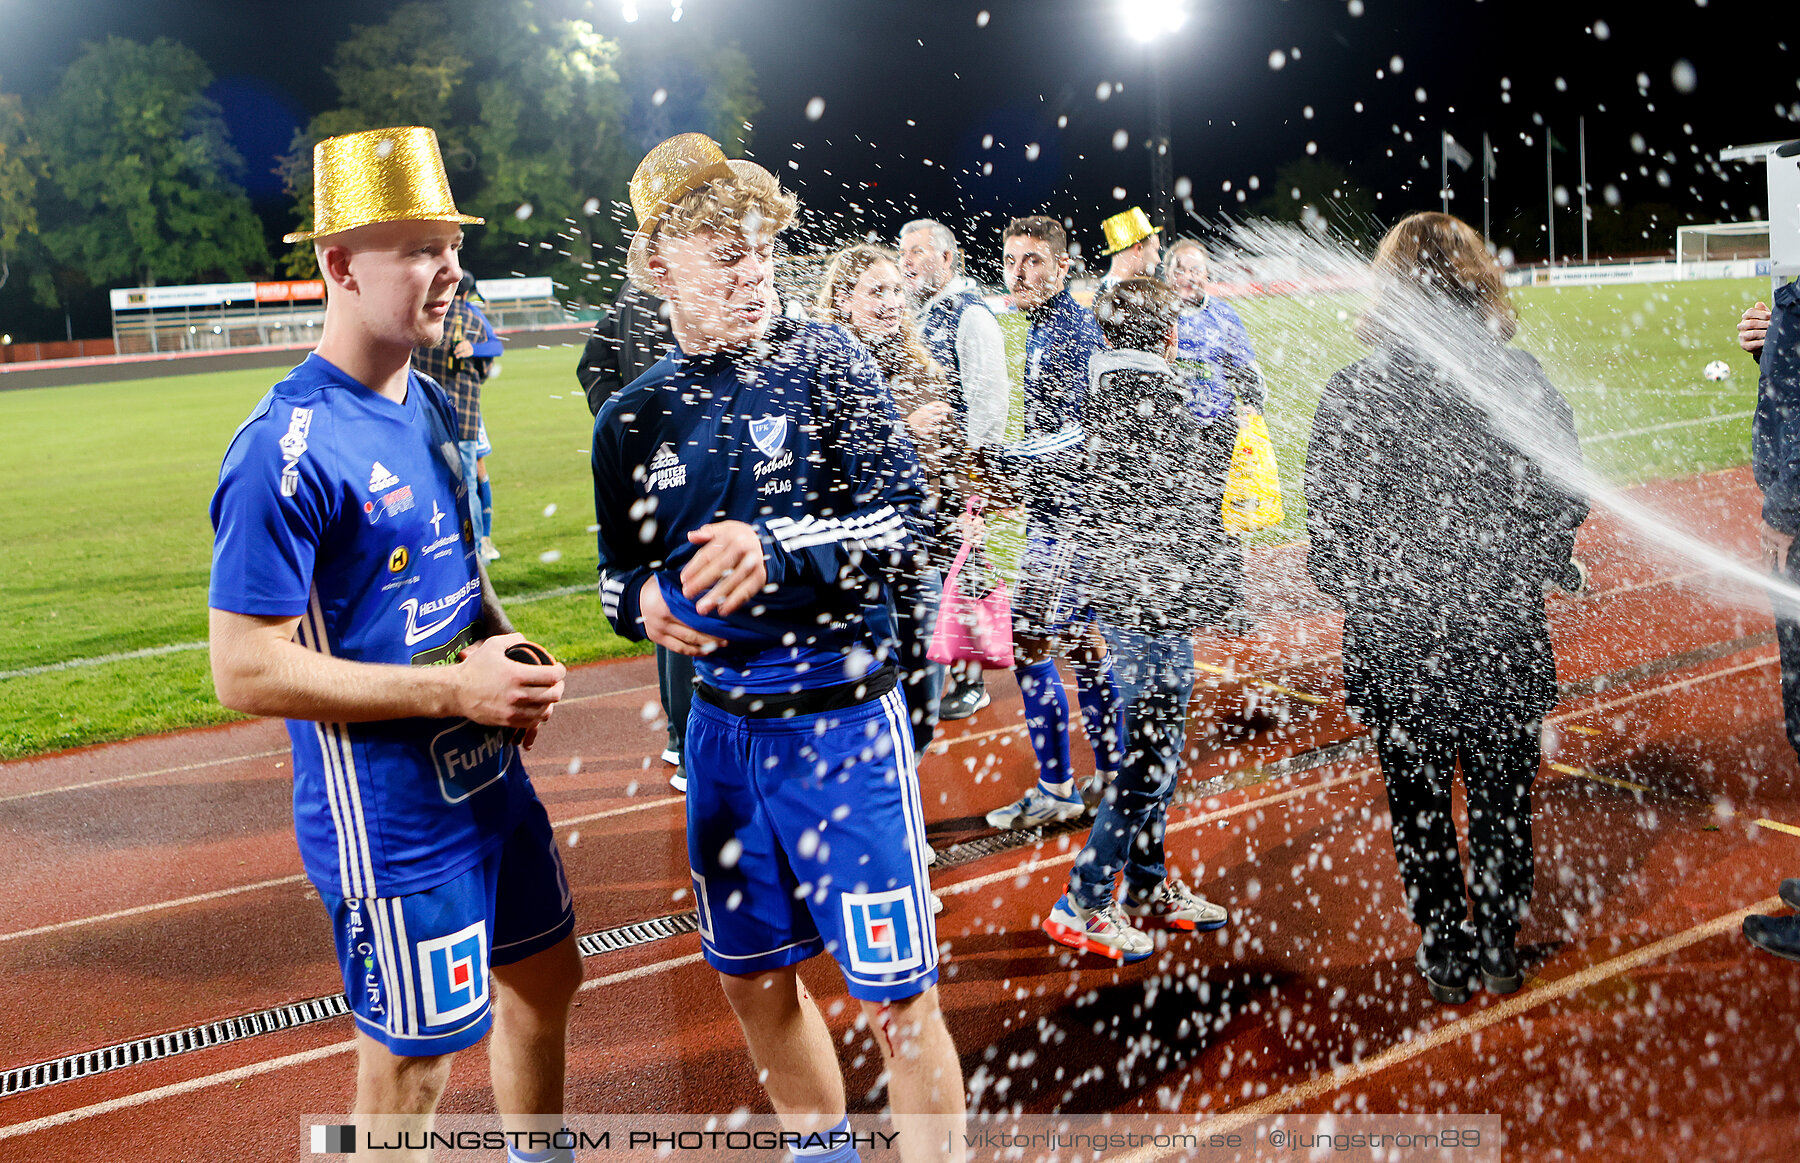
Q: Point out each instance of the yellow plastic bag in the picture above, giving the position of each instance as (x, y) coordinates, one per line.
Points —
(1253, 486)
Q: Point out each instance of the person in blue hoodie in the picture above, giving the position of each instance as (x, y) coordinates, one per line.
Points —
(756, 497)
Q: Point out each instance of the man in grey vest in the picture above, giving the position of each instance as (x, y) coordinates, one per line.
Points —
(964, 337)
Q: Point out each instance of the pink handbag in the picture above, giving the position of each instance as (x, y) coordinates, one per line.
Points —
(972, 629)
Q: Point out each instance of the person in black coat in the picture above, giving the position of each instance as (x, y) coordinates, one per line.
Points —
(624, 345)
(1441, 508)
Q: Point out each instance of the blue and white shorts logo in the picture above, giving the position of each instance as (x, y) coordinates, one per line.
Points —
(882, 929)
(769, 433)
(453, 971)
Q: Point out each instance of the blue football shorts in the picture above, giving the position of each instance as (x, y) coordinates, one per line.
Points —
(806, 835)
(416, 967)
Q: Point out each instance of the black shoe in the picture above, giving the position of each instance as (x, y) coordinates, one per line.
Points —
(1447, 966)
(1777, 935)
(963, 702)
(1500, 972)
(1790, 892)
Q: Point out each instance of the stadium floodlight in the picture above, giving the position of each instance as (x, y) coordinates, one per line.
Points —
(1146, 20)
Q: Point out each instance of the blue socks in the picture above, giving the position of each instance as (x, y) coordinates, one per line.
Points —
(1047, 722)
(485, 490)
(833, 1146)
(1102, 713)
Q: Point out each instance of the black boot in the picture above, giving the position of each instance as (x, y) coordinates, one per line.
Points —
(1500, 971)
(1447, 963)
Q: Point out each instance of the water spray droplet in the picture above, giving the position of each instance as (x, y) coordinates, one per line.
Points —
(815, 109)
(523, 212)
(1121, 139)
(981, 19)
(550, 509)
(1103, 90)
(1031, 152)
(1278, 60)
(550, 555)
(1118, 193)
(658, 97)
(1684, 76)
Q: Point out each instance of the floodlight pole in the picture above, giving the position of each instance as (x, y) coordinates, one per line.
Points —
(1487, 168)
(1581, 132)
(1550, 191)
(1162, 164)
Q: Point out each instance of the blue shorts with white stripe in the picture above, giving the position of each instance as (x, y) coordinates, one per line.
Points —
(806, 835)
(416, 966)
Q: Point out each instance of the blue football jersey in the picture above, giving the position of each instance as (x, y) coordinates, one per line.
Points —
(797, 438)
(1211, 343)
(347, 510)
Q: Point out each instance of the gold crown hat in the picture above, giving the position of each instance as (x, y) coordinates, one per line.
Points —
(381, 175)
(1125, 229)
(669, 173)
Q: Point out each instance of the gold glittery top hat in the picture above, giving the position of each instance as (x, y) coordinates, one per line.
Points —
(382, 175)
(669, 173)
(1127, 228)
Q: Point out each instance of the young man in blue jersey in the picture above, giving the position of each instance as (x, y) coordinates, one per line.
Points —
(754, 494)
(1049, 619)
(348, 596)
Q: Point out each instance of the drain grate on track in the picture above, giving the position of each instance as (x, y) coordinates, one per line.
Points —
(109, 1058)
(288, 1017)
(638, 933)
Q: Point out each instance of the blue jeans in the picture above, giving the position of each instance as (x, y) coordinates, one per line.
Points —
(472, 480)
(1155, 674)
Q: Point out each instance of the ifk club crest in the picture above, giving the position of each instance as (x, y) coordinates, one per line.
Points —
(769, 433)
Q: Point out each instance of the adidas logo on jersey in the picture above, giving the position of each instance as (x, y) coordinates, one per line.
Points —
(665, 470)
(380, 478)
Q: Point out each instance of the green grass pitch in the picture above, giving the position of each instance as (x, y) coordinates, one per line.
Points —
(108, 544)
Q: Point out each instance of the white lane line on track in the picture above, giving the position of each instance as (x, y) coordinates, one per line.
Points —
(1602, 708)
(1031, 866)
(46, 791)
(960, 887)
(1511, 1007)
(173, 1090)
(126, 1102)
(151, 908)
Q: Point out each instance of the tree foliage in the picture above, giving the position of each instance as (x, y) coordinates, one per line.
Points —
(21, 165)
(138, 165)
(541, 120)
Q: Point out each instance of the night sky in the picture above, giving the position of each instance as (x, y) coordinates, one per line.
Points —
(911, 90)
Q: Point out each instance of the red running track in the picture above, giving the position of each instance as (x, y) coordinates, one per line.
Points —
(154, 885)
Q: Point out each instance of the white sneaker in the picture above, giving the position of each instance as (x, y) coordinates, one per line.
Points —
(1035, 807)
(1103, 931)
(671, 757)
(678, 780)
(488, 551)
(1176, 906)
(930, 856)
(937, 904)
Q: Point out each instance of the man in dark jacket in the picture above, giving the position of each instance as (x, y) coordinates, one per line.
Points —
(1153, 561)
(624, 345)
(1772, 336)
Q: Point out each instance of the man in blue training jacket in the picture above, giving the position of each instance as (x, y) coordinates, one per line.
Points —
(754, 494)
